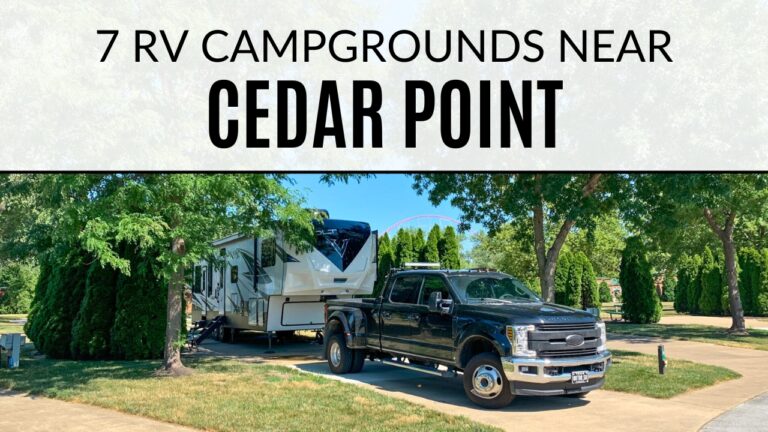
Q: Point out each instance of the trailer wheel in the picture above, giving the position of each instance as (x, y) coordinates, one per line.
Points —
(359, 360)
(340, 357)
(485, 383)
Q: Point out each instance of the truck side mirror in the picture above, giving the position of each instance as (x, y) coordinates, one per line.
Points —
(436, 301)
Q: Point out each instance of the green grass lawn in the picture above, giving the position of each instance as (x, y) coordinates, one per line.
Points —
(7, 326)
(639, 374)
(757, 339)
(228, 396)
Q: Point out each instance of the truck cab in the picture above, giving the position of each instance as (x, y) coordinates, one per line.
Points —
(485, 325)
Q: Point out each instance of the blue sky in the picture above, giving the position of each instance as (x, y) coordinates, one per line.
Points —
(381, 201)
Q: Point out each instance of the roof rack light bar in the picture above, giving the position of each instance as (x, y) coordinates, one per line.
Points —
(422, 265)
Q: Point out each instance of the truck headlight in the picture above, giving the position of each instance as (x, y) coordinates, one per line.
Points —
(601, 326)
(518, 337)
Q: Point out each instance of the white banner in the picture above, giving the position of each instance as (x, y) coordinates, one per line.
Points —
(646, 85)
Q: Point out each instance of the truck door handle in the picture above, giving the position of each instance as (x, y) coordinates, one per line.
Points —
(413, 317)
(386, 315)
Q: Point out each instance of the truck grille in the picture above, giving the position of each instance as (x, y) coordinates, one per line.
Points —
(552, 340)
(578, 352)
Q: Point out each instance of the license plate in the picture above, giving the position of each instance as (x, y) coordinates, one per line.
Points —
(579, 377)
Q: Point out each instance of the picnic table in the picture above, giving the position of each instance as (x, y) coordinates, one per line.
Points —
(616, 311)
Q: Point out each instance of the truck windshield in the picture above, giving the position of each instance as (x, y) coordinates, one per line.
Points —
(476, 288)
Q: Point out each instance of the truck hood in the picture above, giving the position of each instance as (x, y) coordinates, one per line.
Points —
(531, 313)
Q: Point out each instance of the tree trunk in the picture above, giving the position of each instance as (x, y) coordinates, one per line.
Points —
(547, 259)
(172, 364)
(725, 234)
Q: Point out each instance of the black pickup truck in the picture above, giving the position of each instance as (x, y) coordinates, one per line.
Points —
(485, 324)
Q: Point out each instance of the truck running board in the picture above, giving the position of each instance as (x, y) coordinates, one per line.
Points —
(418, 368)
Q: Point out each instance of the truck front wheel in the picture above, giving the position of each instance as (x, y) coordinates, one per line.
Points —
(340, 357)
(485, 383)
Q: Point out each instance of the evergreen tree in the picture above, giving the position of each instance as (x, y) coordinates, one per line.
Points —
(640, 301)
(605, 292)
(38, 310)
(694, 284)
(573, 285)
(92, 326)
(385, 264)
(432, 247)
(590, 295)
(762, 286)
(138, 331)
(418, 244)
(683, 280)
(561, 277)
(706, 263)
(750, 264)
(403, 248)
(668, 289)
(711, 285)
(61, 302)
(450, 256)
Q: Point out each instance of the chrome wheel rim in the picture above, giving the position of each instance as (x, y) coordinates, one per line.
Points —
(487, 382)
(335, 354)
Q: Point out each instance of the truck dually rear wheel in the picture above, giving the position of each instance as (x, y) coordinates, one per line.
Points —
(341, 359)
(485, 383)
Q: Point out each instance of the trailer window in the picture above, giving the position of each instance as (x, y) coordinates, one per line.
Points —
(233, 274)
(406, 290)
(268, 252)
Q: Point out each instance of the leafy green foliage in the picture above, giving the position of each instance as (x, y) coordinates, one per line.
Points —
(573, 284)
(138, 331)
(668, 290)
(640, 301)
(605, 292)
(753, 280)
(432, 246)
(17, 281)
(449, 249)
(404, 248)
(50, 324)
(562, 277)
(93, 324)
(602, 241)
(509, 250)
(590, 295)
(712, 286)
(418, 244)
(386, 261)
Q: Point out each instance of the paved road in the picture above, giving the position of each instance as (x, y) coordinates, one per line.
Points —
(749, 416)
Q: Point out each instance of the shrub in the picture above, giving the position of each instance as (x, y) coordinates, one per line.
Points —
(590, 295)
(752, 268)
(641, 302)
(605, 292)
(60, 304)
(138, 331)
(36, 312)
(668, 290)
(561, 277)
(712, 286)
(92, 326)
(694, 286)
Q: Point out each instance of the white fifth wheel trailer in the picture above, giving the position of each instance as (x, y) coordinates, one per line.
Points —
(264, 284)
